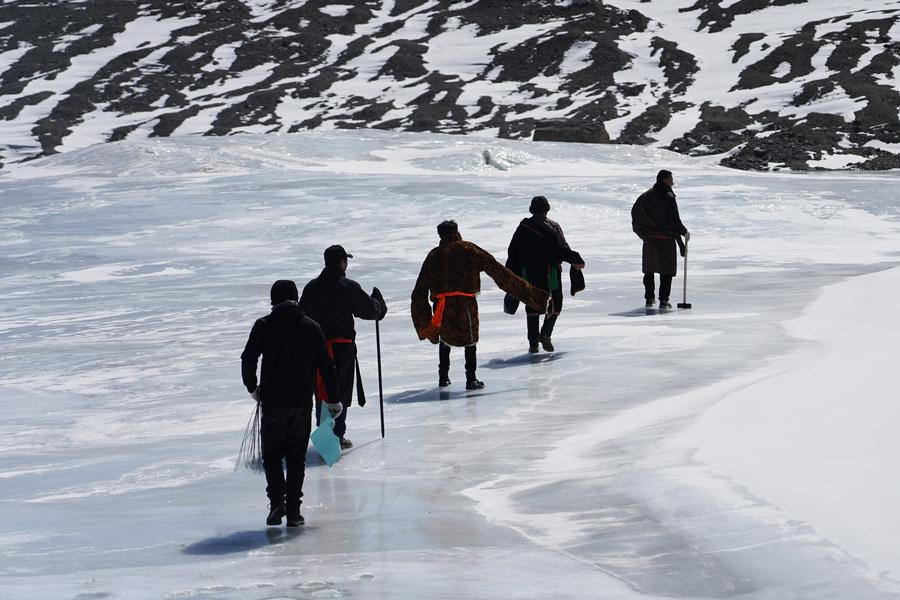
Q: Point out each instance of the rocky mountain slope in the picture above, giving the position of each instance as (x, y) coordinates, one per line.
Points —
(760, 84)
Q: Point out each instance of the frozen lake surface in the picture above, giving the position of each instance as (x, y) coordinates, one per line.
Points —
(742, 449)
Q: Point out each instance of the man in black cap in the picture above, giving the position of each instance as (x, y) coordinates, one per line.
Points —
(293, 351)
(536, 252)
(333, 300)
(655, 219)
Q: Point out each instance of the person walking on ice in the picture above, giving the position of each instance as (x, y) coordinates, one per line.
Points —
(655, 219)
(332, 300)
(451, 278)
(293, 351)
(536, 253)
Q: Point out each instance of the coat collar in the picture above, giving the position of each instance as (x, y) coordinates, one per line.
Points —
(332, 272)
(662, 188)
(287, 305)
(446, 241)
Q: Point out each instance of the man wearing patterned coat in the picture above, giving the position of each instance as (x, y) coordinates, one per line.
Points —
(451, 278)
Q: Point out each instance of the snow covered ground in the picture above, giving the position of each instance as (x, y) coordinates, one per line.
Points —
(741, 449)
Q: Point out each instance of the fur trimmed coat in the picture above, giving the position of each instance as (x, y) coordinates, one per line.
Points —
(456, 266)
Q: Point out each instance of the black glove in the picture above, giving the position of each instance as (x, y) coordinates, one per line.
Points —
(510, 304)
(376, 293)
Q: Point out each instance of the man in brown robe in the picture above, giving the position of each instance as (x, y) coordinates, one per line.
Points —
(451, 278)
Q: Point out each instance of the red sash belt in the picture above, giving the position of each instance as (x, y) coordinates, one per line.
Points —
(320, 383)
(438, 317)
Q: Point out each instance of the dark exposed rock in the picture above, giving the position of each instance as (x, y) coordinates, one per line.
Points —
(790, 147)
(436, 110)
(11, 110)
(797, 51)
(404, 6)
(234, 66)
(408, 62)
(743, 43)
(600, 109)
(641, 129)
(881, 162)
(485, 107)
(678, 66)
(561, 130)
(715, 18)
(167, 123)
(719, 130)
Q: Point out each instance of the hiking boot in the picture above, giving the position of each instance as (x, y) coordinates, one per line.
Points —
(474, 384)
(294, 518)
(664, 304)
(546, 343)
(650, 303)
(346, 444)
(533, 348)
(275, 515)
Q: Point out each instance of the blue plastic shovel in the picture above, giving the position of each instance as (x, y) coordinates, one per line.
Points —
(323, 439)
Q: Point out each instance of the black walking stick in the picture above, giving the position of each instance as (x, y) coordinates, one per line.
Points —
(380, 389)
(685, 304)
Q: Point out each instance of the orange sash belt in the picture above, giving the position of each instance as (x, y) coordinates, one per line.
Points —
(320, 383)
(438, 317)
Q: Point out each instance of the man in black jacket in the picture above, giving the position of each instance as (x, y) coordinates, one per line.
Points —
(293, 350)
(536, 253)
(333, 300)
(655, 219)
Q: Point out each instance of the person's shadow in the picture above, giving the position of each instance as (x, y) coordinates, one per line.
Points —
(642, 312)
(242, 541)
(439, 395)
(315, 460)
(524, 359)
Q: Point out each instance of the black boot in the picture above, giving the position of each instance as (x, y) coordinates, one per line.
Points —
(649, 290)
(275, 515)
(547, 331)
(294, 518)
(443, 365)
(546, 343)
(665, 288)
(472, 382)
(533, 334)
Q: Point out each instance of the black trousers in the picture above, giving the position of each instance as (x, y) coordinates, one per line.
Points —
(535, 329)
(665, 287)
(345, 364)
(285, 437)
(444, 360)
(534, 332)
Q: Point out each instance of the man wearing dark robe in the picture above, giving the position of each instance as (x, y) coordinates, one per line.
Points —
(655, 219)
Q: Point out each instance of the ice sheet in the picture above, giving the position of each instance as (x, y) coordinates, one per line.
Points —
(136, 269)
